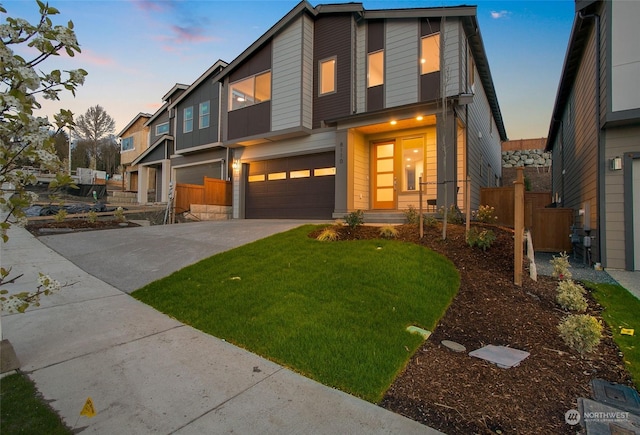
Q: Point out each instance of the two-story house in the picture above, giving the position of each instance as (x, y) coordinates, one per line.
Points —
(337, 108)
(134, 140)
(595, 131)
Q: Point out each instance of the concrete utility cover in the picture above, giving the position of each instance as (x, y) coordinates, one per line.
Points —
(456, 347)
(620, 396)
(600, 419)
(504, 357)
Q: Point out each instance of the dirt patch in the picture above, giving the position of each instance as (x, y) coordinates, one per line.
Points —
(456, 393)
(72, 225)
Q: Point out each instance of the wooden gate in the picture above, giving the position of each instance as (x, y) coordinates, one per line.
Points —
(549, 227)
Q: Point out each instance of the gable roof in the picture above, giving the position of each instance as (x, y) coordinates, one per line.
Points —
(216, 68)
(577, 42)
(468, 14)
(133, 121)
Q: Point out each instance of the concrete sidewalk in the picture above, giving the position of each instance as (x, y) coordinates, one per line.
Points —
(146, 372)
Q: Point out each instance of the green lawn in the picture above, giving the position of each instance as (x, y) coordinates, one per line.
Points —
(621, 310)
(23, 411)
(333, 311)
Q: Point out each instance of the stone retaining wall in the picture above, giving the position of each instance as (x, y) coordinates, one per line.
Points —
(536, 158)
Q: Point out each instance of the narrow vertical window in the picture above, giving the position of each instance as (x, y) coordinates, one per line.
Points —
(471, 65)
(187, 125)
(430, 54)
(375, 69)
(204, 114)
(327, 72)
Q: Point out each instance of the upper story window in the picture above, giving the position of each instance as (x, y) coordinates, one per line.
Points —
(327, 76)
(204, 114)
(430, 54)
(126, 144)
(187, 123)
(471, 66)
(162, 129)
(375, 69)
(252, 90)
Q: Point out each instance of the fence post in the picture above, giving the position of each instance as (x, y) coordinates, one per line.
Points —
(420, 218)
(467, 204)
(518, 225)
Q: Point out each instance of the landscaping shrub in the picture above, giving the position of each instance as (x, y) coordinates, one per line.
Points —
(60, 216)
(119, 214)
(329, 234)
(92, 216)
(482, 239)
(570, 296)
(484, 214)
(454, 215)
(429, 221)
(561, 266)
(581, 332)
(354, 219)
(411, 215)
(388, 232)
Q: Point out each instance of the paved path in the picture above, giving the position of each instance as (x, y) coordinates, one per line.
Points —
(146, 372)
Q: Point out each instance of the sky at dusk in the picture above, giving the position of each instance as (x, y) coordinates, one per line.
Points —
(135, 51)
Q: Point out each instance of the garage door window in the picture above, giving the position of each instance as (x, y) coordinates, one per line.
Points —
(323, 172)
(277, 176)
(305, 173)
(255, 178)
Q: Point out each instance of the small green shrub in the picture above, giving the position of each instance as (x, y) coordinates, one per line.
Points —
(388, 232)
(581, 332)
(354, 219)
(329, 234)
(92, 216)
(482, 239)
(561, 266)
(429, 221)
(60, 216)
(454, 215)
(411, 215)
(119, 214)
(570, 296)
(484, 214)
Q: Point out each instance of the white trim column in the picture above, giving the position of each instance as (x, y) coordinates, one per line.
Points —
(143, 184)
(166, 178)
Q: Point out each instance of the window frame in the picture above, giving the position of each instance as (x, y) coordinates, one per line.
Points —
(382, 77)
(187, 122)
(423, 62)
(334, 73)
(202, 116)
(158, 133)
(127, 139)
(254, 80)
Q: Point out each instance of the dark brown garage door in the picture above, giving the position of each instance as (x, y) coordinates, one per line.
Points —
(301, 187)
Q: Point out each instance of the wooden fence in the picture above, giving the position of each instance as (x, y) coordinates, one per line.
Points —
(549, 227)
(213, 192)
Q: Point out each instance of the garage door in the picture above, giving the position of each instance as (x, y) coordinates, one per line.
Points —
(300, 187)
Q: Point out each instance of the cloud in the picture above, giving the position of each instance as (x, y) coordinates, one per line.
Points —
(150, 6)
(95, 59)
(496, 15)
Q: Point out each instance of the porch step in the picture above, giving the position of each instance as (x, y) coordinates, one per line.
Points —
(120, 197)
(384, 217)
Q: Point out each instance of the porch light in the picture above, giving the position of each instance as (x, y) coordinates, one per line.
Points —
(419, 118)
(236, 164)
(394, 122)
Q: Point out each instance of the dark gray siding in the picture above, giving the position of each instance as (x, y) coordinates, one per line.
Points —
(332, 37)
(207, 91)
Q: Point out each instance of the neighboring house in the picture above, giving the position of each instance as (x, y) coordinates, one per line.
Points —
(337, 108)
(134, 139)
(595, 130)
(154, 164)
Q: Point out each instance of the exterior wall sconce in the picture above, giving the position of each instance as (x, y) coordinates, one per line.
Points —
(616, 164)
(236, 164)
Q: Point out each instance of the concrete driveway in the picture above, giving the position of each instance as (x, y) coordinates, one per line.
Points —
(130, 258)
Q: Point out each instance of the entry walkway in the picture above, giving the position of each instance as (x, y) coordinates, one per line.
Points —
(146, 372)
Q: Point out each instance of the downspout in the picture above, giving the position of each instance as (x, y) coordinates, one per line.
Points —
(600, 150)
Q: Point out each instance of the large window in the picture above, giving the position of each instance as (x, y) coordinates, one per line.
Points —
(127, 143)
(327, 76)
(162, 128)
(187, 123)
(204, 114)
(250, 91)
(430, 54)
(375, 69)
(413, 162)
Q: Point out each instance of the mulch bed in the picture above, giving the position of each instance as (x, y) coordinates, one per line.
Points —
(41, 228)
(456, 393)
